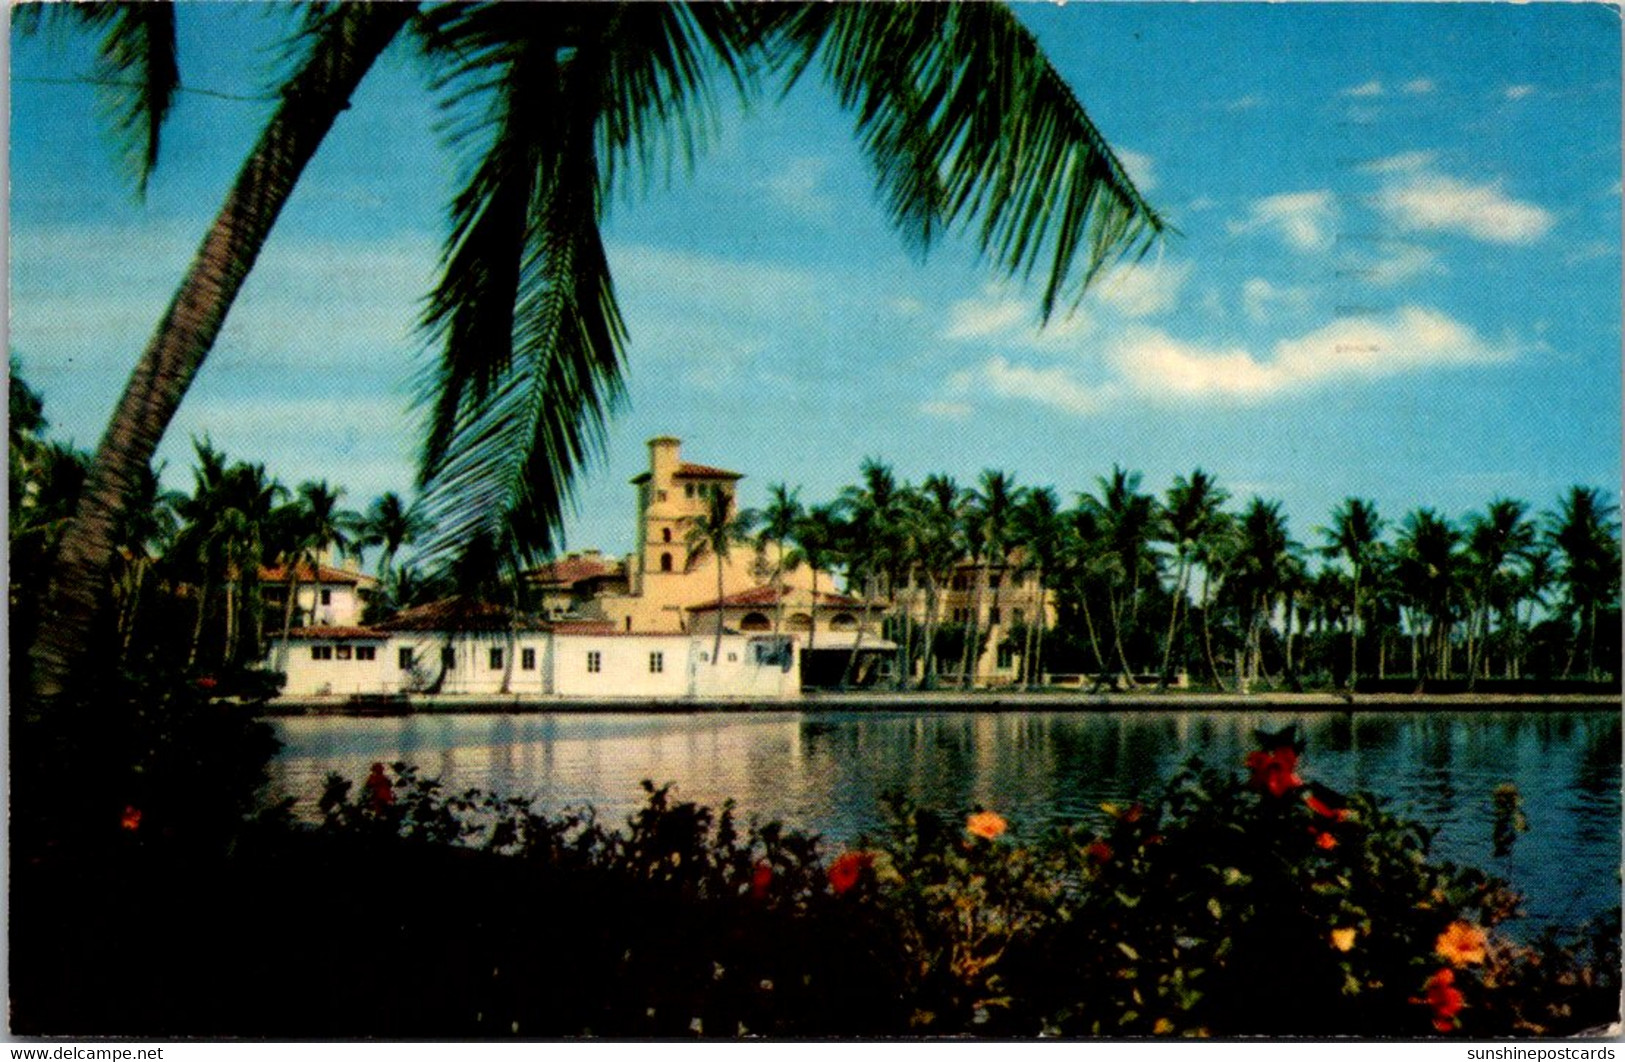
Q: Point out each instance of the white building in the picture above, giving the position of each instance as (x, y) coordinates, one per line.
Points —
(324, 596)
(462, 648)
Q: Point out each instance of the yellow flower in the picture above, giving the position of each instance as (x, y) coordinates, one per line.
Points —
(1461, 943)
(986, 824)
(1163, 1027)
(1343, 939)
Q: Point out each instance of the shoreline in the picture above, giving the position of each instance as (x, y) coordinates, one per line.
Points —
(952, 701)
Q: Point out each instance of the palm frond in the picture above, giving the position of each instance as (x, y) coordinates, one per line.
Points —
(136, 69)
(967, 124)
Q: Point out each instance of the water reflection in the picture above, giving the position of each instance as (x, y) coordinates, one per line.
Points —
(830, 772)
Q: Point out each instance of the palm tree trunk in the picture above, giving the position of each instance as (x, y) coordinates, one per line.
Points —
(1173, 622)
(971, 651)
(1038, 641)
(1354, 633)
(929, 661)
(716, 646)
(1207, 632)
(197, 625)
(311, 101)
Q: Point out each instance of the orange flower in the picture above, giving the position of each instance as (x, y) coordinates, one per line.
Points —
(1325, 840)
(1343, 939)
(1461, 944)
(1099, 852)
(1135, 812)
(986, 824)
(761, 876)
(1275, 771)
(847, 870)
(132, 817)
(1444, 997)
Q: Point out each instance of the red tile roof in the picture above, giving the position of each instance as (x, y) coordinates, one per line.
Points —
(324, 574)
(571, 570)
(759, 596)
(692, 471)
(462, 614)
(335, 634)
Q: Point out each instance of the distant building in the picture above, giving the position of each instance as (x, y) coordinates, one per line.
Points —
(1010, 603)
(324, 596)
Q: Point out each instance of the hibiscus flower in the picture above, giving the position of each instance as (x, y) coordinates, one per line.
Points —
(132, 818)
(986, 824)
(1444, 997)
(1461, 943)
(847, 870)
(1274, 771)
(761, 877)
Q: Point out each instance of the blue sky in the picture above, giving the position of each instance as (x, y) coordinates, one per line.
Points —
(1397, 274)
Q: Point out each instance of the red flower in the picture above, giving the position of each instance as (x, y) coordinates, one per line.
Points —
(1323, 809)
(1099, 852)
(847, 870)
(761, 876)
(1275, 771)
(380, 794)
(1325, 840)
(207, 682)
(1444, 997)
(132, 818)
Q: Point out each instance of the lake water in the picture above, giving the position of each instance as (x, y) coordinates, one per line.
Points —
(827, 771)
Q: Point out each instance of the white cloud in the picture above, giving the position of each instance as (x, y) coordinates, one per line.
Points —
(1427, 201)
(1403, 262)
(1264, 301)
(799, 185)
(1417, 87)
(1055, 386)
(1149, 365)
(1305, 220)
(1143, 290)
(1245, 103)
(1518, 92)
(1404, 162)
(981, 318)
(1409, 340)
(1140, 169)
(1368, 90)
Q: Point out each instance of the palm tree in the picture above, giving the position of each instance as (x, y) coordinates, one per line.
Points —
(874, 543)
(1193, 507)
(1084, 558)
(1039, 535)
(963, 117)
(937, 511)
(777, 525)
(313, 525)
(1216, 552)
(990, 513)
(716, 531)
(1587, 539)
(1126, 519)
(147, 531)
(1429, 567)
(1353, 537)
(391, 524)
(1497, 541)
(818, 536)
(1265, 563)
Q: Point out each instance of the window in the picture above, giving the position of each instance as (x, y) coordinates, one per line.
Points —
(321, 652)
(403, 657)
(993, 582)
(366, 652)
(595, 663)
(448, 658)
(843, 621)
(959, 582)
(657, 663)
(665, 534)
(629, 625)
(1006, 657)
(665, 562)
(496, 659)
(342, 652)
(527, 660)
(993, 615)
(660, 495)
(688, 490)
(327, 597)
(755, 621)
(733, 658)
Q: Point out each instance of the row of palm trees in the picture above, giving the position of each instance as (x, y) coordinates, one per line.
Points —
(199, 553)
(1146, 585)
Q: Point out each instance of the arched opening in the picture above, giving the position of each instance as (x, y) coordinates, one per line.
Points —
(798, 621)
(665, 562)
(665, 534)
(755, 621)
(843, 621)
